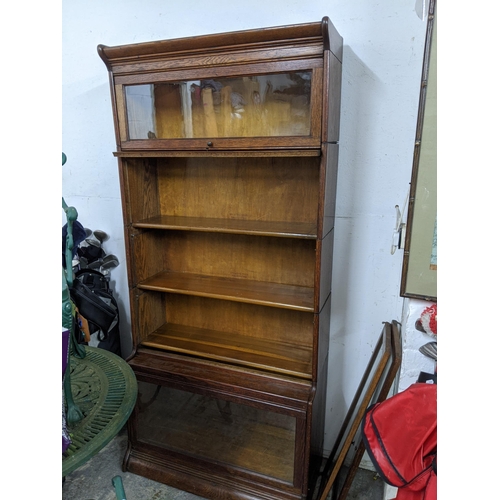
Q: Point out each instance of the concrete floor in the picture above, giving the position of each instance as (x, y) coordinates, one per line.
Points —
(92, 481)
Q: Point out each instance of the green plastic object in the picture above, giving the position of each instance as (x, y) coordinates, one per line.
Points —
(119, 490)
(105, 389)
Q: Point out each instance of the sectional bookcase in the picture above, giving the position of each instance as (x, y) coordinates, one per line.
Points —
(227, 147)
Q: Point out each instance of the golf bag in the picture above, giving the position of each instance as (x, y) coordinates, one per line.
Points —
(97, 309)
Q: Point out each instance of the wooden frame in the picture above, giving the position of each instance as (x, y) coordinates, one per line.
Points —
(374, 387)
(419, 277)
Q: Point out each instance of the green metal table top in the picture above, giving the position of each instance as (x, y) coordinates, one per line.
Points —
(105, 389)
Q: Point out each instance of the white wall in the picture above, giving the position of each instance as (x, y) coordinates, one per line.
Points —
(383, 49)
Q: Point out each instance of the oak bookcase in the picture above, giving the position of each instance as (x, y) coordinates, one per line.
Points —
(227, 147)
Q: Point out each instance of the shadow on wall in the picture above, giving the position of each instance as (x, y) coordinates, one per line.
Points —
(359, 86)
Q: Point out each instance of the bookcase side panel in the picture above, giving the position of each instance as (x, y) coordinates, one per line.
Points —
(328, 188)
(141, 188)
(333, 85)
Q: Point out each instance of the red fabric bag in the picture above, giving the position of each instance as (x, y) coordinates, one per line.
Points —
(400, 436)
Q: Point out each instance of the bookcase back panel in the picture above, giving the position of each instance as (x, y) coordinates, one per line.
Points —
(259, 322)
(242, 188)
(263, 189)
(273, 339)
(271, 260)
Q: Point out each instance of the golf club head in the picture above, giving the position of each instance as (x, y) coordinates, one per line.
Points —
(93, 242)
(96, 264)
(101, 235)
(109, 264)
(429, 350)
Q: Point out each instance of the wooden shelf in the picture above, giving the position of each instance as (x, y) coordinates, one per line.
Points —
(233, 348)
(298, 298)
(234, 226)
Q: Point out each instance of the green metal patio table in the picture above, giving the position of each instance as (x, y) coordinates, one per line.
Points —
(105, 389)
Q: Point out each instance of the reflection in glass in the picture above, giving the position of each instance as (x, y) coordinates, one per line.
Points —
(254, 106)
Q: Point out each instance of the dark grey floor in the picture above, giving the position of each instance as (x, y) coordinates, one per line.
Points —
(92, 481)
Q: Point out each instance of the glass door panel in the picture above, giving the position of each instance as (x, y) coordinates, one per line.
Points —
(268, 105)
(216, 430)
